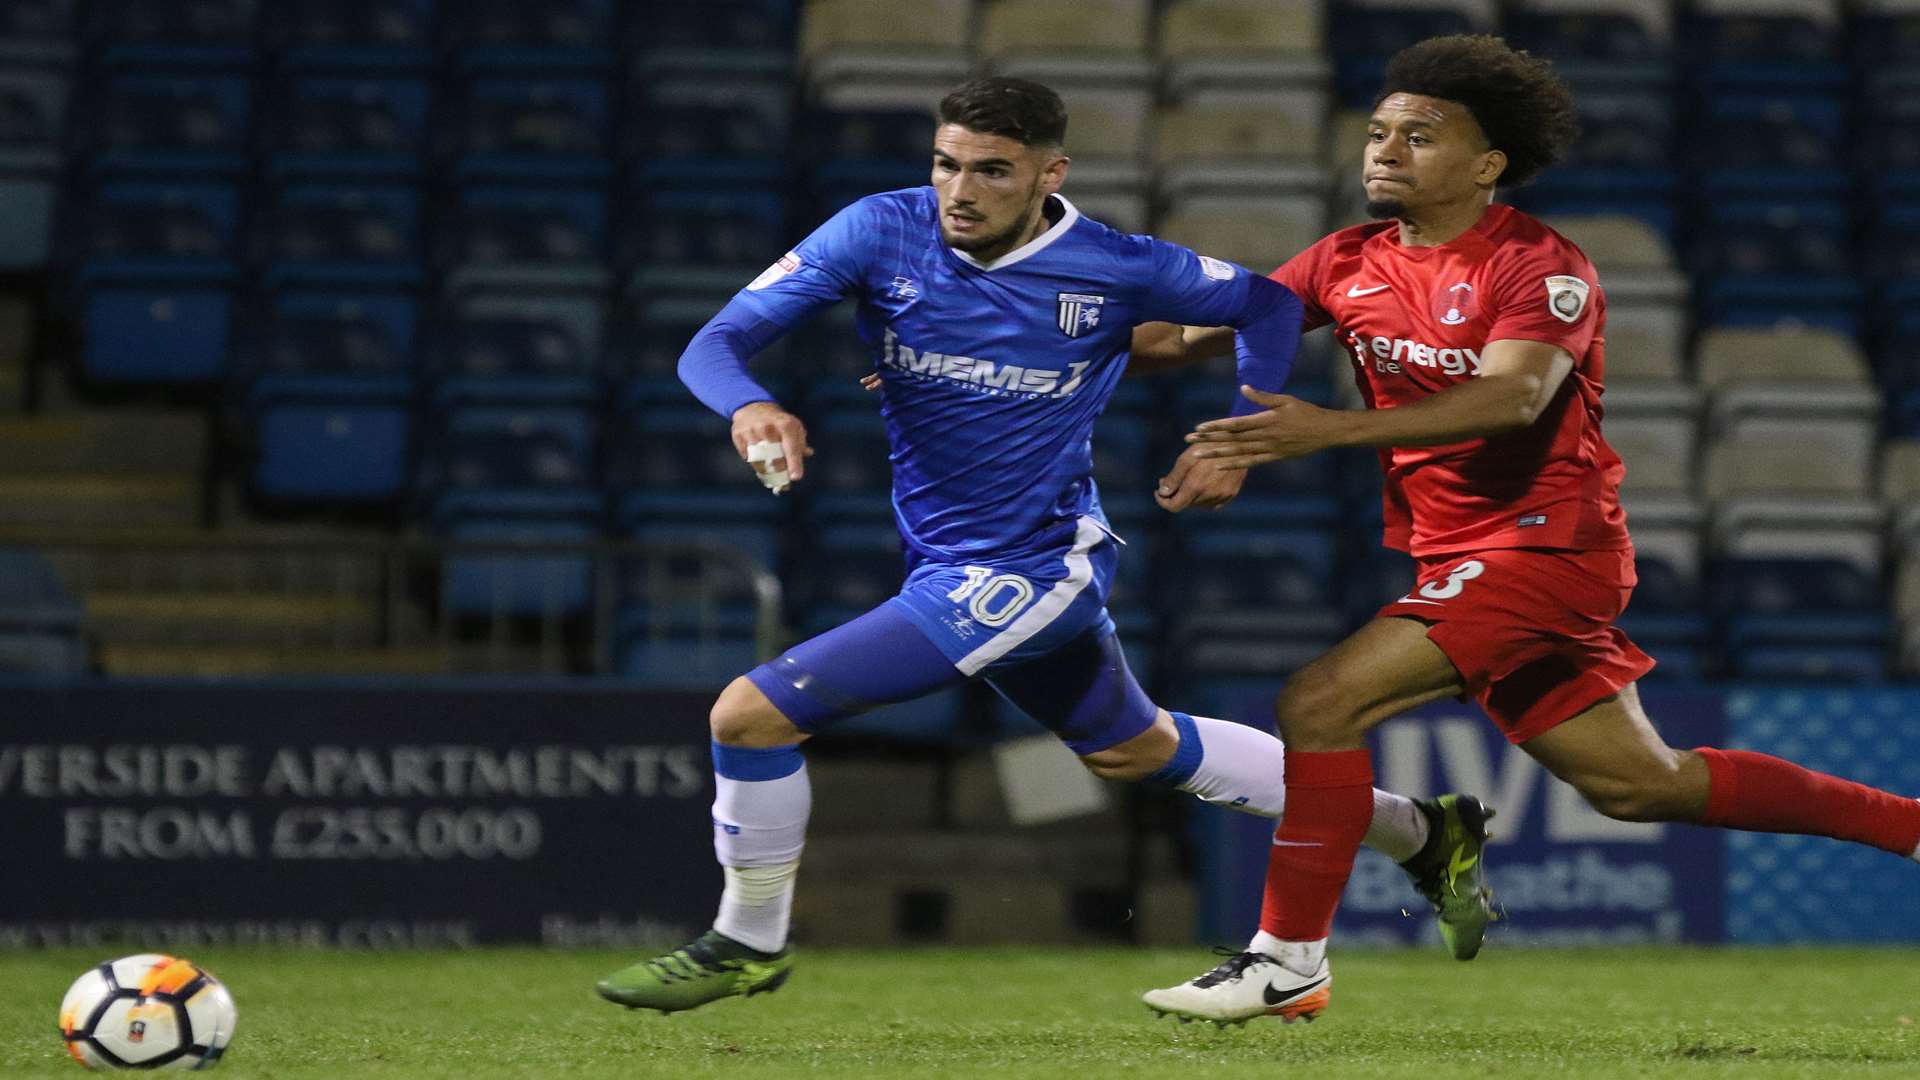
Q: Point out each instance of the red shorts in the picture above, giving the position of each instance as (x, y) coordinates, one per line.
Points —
(1530, 630)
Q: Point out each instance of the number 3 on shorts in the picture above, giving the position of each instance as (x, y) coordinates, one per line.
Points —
(996, 598)
(1455, 581)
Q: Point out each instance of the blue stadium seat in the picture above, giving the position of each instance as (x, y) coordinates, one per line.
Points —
(563, 35)
(531, 239)
(343, 235)
(1766, 260)
(683, 664)
(27, 208)
(1883, 39)
(538, 131)
(678, 464)
(33, 117)
(1772, 146)
(1588, 41)
(159, 232)
(350, 128)
(486, 583)
(827, 347)
(40, 620)
(198, 35)
(1362, 38)
(1125, 469)
(853, 153)
(1374, 579)
(1265, 570)
(313, 449)
(691, 131)
(329, 394)
(848, 570)
(1667, 617)
(1624, 155)
(533, 351)
(353, 35)
(38, 32)
(157, 334)
(851, 476)
(663, 326)
(753, 37)
(170, 125)
(1801, 618)
(702, 241)
(504, 463)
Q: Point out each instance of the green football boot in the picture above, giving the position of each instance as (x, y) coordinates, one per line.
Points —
(708, 968)
(1448, 870)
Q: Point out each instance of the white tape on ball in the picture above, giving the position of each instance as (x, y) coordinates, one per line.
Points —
(776, 480)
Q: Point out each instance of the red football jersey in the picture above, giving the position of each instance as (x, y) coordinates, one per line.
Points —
(1415, 320)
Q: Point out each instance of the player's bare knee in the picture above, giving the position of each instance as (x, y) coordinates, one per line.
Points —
(741, 716)
(1647, 796)
(1138, 757)
(1315, 707)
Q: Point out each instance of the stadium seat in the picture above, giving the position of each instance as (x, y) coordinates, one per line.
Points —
(1770, 263)
(169, 125)
(1817, 461)
(687, 131)
(846, 571)
(1222, 140)
(1210, 31)
(201, 36)
(160, 232)
(530, 239)
(1364, 33)
(520, 351)
(1658, 451)
(853, 152)
(33, 117)
(1737, 44)
(1772, 146)
(327, 381)
(352, 35)
(27, 208)
(1635, 263)
(354, 236)
(852, 40)
(1645, 343)
(1259, 234)
(679, 465)
(1595, 42)
(567, 35)
(1808, 603)
(701, 242)
(156, 334)
(480, 581)
(532, 130)
(1726, 355)
(1104, 36)
(488, 463)
(332, 126)
(1301, 491)
(38, 33)
(1900, 490)
(683, 664)
(851, 475)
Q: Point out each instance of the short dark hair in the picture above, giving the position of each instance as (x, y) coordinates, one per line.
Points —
(1015, 108)
(1519, 100)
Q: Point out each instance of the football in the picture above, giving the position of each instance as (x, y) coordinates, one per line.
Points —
(147, 1012)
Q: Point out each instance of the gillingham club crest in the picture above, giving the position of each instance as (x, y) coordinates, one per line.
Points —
(1079, 312)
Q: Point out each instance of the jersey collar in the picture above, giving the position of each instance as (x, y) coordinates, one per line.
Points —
(1032, 247)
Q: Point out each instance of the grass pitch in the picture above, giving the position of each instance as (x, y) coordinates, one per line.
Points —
(1039, 1013)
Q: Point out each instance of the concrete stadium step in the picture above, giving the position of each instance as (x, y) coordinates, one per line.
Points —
(230, 662)
(177, 558)
(287, 620)
(136, 441)
(98, 501)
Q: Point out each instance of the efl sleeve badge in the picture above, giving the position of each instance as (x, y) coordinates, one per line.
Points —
(1566, 298)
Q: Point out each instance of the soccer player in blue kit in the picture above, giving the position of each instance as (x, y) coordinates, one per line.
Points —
(1000, 319)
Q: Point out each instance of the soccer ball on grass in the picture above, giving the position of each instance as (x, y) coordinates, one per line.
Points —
(147, 1012)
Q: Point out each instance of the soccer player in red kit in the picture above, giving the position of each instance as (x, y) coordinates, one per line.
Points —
(1477, 338)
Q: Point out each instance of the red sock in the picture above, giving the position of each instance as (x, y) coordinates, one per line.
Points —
(1329, 805)
(1763, 793)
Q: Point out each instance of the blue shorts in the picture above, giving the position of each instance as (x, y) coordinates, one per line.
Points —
(1037, 630)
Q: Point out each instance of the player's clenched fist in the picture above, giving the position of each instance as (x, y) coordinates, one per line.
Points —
(1288, 428)
(773, 441)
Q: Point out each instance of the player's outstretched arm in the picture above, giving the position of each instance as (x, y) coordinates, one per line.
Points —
(1162, 346)
(1517, 381)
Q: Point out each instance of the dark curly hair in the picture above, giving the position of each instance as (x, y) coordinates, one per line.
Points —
(1018, 109)
(1520, 101)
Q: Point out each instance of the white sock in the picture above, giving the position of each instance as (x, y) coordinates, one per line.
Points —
(1244, 768)
(1299, 957)
(1399, 830)
(759, 827)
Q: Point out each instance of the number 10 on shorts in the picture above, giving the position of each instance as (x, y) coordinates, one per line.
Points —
(992, 598)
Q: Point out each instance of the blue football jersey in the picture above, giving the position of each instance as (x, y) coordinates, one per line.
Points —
(994, 372)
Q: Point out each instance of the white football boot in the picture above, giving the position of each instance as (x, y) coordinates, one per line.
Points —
(1244, 986)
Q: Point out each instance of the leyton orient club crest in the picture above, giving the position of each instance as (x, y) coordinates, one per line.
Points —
(1455, 304)
(1079, 312)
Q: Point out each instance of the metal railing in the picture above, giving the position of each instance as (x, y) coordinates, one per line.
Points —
(526, 606)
